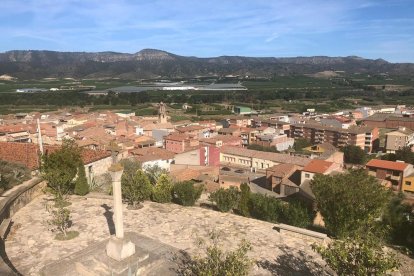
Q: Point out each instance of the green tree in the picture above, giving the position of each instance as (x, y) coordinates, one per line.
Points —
(243, 206)
(186, 193)
(154, 172)
(354, 155)
(403, 154)
(301, 143)
(347, 201)
(297, 214)
(60, 168)
(225, 199)
(135, 187)
(358, 255)
(81, 183)
(399, 218)
(162, 191)
(265, 207)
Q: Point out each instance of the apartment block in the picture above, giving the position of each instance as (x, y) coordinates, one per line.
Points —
(399, 138)
(364, 137)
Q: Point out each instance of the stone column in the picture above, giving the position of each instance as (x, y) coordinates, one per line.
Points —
(118, 248)
(117, 193)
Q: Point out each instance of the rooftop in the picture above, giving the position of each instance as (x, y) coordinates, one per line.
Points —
(317, 166)
(389, 165)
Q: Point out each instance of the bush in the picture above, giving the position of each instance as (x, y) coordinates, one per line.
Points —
(186, 194)
(243, 206)
(265, 208)
(225, 199)
(216, 262)
(81, 184)
(358, 255)
(296, 214)
(135, 187)
(162, 191)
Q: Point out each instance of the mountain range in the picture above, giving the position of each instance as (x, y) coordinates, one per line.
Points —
(151, 63)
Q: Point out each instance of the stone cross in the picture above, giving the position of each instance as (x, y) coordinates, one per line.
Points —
(118, 248)
(117, 193)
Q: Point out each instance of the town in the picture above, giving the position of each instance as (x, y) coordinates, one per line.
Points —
(277, 155)
(206, 138)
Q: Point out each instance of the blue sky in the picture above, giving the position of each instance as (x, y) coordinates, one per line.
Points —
(205, 28)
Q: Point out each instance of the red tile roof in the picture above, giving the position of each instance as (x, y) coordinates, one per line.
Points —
(389, 165)
(317, 166)
(28, 154)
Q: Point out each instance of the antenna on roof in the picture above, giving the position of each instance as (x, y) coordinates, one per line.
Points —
(39, 137)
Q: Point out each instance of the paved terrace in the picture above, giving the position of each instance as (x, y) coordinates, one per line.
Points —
(30, 245)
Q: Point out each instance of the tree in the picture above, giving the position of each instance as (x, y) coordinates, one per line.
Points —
(135, 187)
(243, 206)
(162, 191)
(358, 255)
(265, 207)
(186, 193)
(225, 199)
(297, 214)
(154, 172)
(301, 143)
(403, 154)
(399, 218)
(60, 168)
(354, 155)
(347, 201)
(81, 184)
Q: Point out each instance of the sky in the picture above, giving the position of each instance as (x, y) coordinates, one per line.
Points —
(207, 28)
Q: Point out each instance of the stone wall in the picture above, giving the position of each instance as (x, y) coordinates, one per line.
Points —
(301, 233)
(17, 197)
(12, 201)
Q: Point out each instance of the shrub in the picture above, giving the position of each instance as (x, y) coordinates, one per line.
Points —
(296, 214)
(60, 218)
(243, 206)
(216, 262)
(162, 191)
(265, 208)
(81, 184)
(186, 194)
(358, 255)
(225, 199)
(135, 187)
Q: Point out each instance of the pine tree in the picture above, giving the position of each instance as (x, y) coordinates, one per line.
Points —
(81, 185)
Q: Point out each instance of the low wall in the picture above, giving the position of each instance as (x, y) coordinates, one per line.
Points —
(10, 202)
(304, 234)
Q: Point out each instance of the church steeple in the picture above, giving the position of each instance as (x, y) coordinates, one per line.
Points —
(162, 114)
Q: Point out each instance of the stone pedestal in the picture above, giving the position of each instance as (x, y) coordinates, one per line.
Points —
(120, 249)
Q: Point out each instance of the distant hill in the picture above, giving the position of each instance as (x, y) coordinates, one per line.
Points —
(150, 63)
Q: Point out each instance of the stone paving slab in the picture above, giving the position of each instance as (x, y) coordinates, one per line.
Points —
(30, 245)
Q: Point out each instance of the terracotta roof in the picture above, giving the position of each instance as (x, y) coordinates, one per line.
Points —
(151, 153)
(28, 154)
(177, 137)
(283, 170)
(389, 165)
(317, 166)
(189, 128)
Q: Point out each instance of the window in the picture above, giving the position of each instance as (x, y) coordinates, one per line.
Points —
(395, 173)
(408, 183)
(307, 175)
